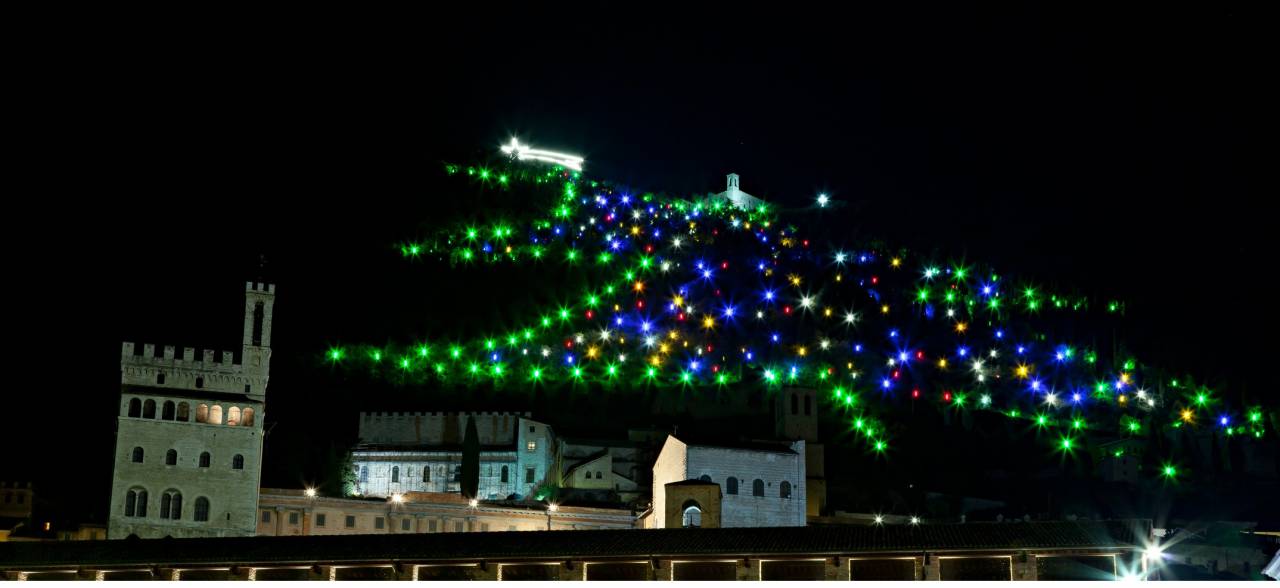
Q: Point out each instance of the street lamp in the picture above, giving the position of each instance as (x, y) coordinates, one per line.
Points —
(550, 509)
(310, 492)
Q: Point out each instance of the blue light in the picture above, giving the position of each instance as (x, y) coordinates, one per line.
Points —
(893, 334)
(558, 230)
(706, 274)
(775, 337)
(493, 357)
(999, 334)
(626, 199)
(1224, 420)
(614, 245)
(885, 383)
(1021, 349)
(986, 290)
(903, 356)
(761, 266)
(644, 326)
(1076, 397)
(617, 321)
(728, 312)
(487, 248)
(963, 351)
(1035, 385)
(693, 366)
(568, 358)
(862, 259)
(698, 265)
(1061, 356)
(857, 348)
(750, 356)
(768, 294)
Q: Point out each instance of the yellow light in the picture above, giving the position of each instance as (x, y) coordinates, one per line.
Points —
(1187, 415)
(508, 249)
(678, 300)
(1022, 371)
(592, 352)
(708, 322)
(838, 277)
(895, 262)
(884, 309)
(961, 327)
(635, 230)
(794, 279)
(655, 360)
(802, 351)
(942, 362)
(663, 348)
(639, 286)
(826, 312)
(1122, 399)
(675, 335)
(1124, 378)
(311, 492)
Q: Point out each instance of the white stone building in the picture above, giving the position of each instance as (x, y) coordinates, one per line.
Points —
(762, 484)
(736, 196)
(189, 435)
(403, 452)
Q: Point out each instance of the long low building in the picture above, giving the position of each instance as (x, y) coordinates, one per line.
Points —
(293, 512)
(972, 551)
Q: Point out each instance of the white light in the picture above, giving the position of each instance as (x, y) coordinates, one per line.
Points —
(397, 498)
(822, 199)
(311, 492)
(850, 318)
(1153, 553)
(806, 302)
(1051, 399)
(879, 520)
(915, 520)
(525, 152)
(553, 507)
(473, 502)
(675, 242)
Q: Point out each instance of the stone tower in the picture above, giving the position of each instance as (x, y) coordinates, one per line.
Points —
(796, 418)
(189, 434)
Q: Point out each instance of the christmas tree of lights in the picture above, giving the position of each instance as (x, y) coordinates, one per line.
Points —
(703, 292)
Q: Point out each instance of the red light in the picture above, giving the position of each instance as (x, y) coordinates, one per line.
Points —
(786, 310)
(680, 316)
(724, 265)
(806, 242)
(639, 304)
(946, 396)
(715, 231)
(915, 393)
(875, 280)
(591, 314)
(896, 374)
(568, 344)
(715, 369)
(648, 248)
(919, 355)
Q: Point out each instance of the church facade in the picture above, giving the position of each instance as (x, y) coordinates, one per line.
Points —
(189, 434)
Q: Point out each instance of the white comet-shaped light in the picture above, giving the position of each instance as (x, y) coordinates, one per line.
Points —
(523, 152)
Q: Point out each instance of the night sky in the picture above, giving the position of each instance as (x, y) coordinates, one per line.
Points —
(1107, 152)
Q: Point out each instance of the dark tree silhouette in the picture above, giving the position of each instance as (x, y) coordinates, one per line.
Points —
(470, 460)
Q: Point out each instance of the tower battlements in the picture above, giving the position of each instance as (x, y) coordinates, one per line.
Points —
(209, 360)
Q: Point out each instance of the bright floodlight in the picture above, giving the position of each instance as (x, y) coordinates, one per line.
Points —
(311, 492)
(1153, 553)
(879, 520)
(473, 502)
(915, 520)
(553, 507)
(397, 498)
(523, 152)
(823, 200)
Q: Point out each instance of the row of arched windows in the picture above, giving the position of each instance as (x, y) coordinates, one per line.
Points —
(757, 486)
(135, 505)
(505, 475)
(795, 404)
(181, 412)
(171, 458)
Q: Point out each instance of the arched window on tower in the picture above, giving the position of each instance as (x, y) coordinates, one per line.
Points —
(691, 514)
(135, 407)
(705, 478)
(135, 503)
(205, 458)
(149, 409)
(168, 411)
(246, 417)
(757, 487)
(237, 462)
(202, 509)
(202, 413)
(184, 412)
(808, 405)
(395, 474)
(171, 457)
(141, 509)
(731, 485)
(215, 414)
(426, 475)
(172, 499)
(784, 489)
(233, 416)
(137, 455)
(258, 316)
(795, 404)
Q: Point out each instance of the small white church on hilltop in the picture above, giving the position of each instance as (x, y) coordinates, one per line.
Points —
(737, 197)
